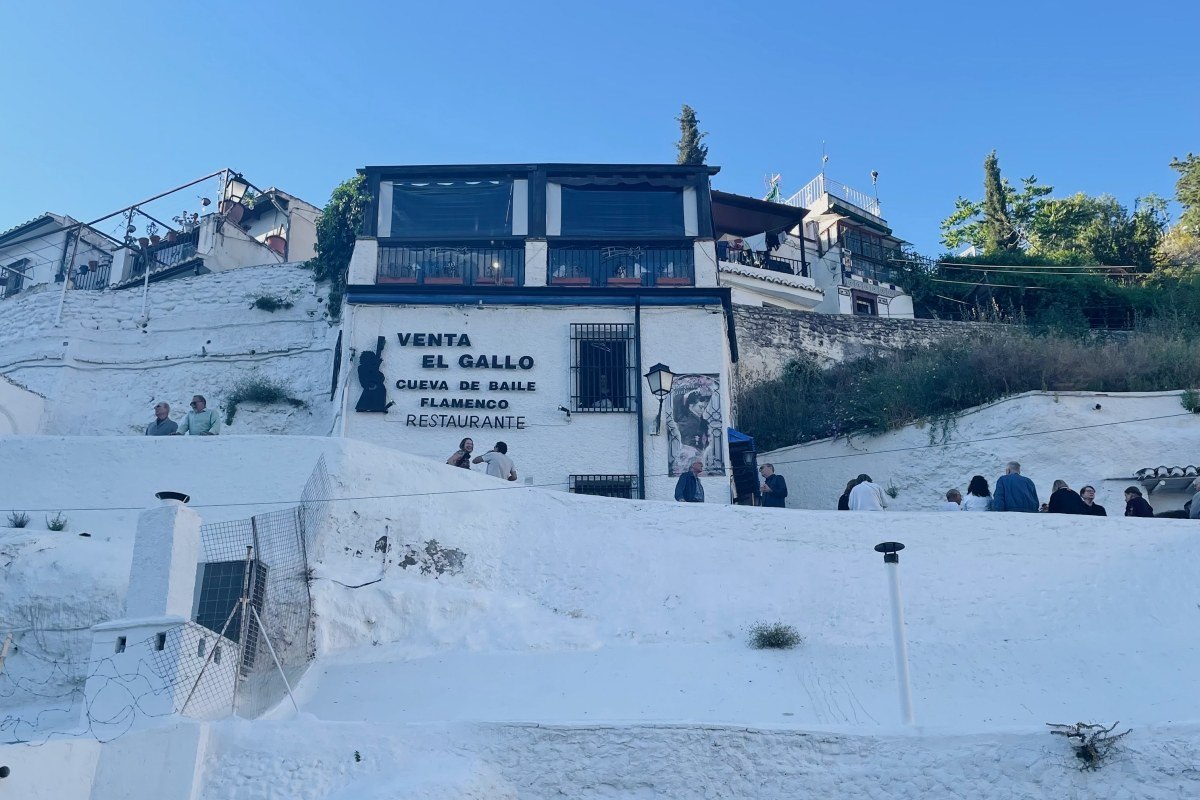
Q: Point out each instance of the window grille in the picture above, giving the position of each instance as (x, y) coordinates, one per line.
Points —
(605, 485)
(12, 279)
(603, 375)
(220, 591)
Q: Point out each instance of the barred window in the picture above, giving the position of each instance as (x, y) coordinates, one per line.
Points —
(605, 485)
(603, 375)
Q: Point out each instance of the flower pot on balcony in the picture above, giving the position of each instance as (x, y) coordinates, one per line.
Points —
(277, 243)
(662, 281)
(495, 282)
(624, 281)
(396, 279)
(444, 279)
(571, 281)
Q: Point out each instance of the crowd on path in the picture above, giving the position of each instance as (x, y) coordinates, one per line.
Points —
(1015, 493)
(200, 421)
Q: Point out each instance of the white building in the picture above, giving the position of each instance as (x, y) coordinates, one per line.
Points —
(835, 255)
(523, 303)
(275, 227)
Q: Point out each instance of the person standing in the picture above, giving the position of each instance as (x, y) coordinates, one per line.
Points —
(499, 465)
(979, 495)
(688, 488)
(1064, 500)
(867, 496)
(1088, 495)
(1135, 504)
(201, 420)
(462, 456)
(1015, 492)
(162, 425)
(774, 487)
(1194, 510)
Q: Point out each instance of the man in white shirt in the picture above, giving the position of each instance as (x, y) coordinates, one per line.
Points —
(499, 465)
(867, 496)
(953, 501)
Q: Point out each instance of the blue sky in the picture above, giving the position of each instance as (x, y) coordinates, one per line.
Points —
(109, 103)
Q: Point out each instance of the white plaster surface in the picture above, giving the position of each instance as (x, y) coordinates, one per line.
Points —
(101, 371)
(20, 409)
(162, 575)
(552, 446)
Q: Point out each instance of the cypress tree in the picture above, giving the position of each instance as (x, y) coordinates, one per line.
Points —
(691, 150)
(999, 236)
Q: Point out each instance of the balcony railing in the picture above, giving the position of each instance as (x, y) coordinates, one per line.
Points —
(611, 265)
(820, 185)
(91, 278)
(165, 255)
(473, 264)
(869, 268)
(761, 260)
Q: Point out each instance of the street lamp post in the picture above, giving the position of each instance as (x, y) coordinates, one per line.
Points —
(891, 563)
(660, 379)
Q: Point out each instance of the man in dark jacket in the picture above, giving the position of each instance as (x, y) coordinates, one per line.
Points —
(1014, 492)
(774, 488)
(689, 489)
(1135, 504)
(1065, 500)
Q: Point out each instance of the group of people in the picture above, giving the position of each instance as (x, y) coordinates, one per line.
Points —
(499, 465)
(689, 489)
(200, 421)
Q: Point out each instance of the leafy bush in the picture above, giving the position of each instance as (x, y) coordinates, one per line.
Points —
(271, 303)
(337, 227)
(56, 523)
(17, 519)
(257, 388)
(880, 393)
(1190, 400)
(774, 636)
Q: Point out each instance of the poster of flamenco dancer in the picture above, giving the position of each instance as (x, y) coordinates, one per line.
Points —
(695, 428)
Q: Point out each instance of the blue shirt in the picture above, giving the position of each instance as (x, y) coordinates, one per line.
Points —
(1015, 492)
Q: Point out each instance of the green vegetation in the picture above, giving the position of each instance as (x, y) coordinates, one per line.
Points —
(56, 523)
(774, 636)
(17, 519)
(257, 388)
(690, 145)
(933, 384)
(337, 229)
(271, 303)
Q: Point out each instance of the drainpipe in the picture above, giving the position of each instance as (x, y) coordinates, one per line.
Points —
(641, 425)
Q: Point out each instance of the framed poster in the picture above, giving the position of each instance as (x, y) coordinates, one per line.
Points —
(695, 428)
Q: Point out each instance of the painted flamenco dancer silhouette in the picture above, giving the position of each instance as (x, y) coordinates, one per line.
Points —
(370, 377)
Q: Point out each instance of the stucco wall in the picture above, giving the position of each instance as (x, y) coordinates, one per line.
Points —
(769, 338)
(20, 409)
(101, 370)
(552, 445)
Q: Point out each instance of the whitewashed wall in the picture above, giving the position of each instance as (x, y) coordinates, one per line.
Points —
(551, 446)
(101, 371)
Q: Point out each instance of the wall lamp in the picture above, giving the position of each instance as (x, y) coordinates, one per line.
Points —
(660, 379)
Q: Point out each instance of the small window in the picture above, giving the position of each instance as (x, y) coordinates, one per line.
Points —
(605, 485)
(865, 306)
(120, 648)
(452, 208)
(220, 594)
(602, 371)
(13, 277)
(160, 641)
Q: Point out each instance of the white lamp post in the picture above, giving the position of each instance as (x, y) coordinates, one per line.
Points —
(891, 563)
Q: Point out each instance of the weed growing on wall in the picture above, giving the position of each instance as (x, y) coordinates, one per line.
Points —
(271, 303)
(256, 388)
(933, 383)
(774, 636)
(17, 519)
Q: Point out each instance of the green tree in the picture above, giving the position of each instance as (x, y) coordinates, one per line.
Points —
(999, 234)
(1179, 252)
(337, 229)
(1001, 222)
(690, 145)
(1187, 191)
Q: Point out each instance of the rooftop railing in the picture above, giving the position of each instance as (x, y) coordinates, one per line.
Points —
(760, 260)
(821, 185)
(165, 255)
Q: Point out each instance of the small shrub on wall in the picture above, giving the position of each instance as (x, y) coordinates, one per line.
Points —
(258, 388)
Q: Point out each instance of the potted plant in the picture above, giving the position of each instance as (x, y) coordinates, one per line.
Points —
(569, 276)
(450, 275)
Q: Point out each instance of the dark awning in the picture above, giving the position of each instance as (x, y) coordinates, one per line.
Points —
(739, 215)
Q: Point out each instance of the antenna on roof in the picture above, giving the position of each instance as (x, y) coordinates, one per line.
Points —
(824, 158)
